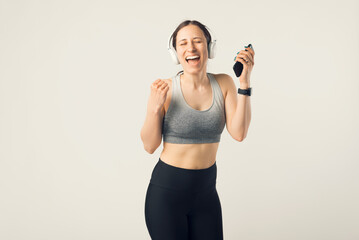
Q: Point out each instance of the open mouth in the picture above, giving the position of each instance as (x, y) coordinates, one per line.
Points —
(193, 61)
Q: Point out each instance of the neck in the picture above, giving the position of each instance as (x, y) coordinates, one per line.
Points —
(196, 79)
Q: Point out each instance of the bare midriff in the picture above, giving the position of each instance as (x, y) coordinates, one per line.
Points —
(189, 156)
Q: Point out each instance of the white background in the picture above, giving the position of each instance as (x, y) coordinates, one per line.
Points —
(74, 83)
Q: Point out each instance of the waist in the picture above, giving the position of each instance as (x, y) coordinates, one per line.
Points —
(189, 155)
(182, 179)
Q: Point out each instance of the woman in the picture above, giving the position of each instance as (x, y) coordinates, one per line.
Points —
(190, 111)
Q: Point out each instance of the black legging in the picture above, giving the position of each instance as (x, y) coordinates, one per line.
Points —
(183, 204)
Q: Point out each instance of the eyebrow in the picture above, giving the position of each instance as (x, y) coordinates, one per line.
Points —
(185, 39)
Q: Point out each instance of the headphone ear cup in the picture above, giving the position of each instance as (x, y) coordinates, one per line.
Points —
(212, 50)
(174, 57)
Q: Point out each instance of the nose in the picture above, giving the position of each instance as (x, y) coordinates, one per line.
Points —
(191, 47)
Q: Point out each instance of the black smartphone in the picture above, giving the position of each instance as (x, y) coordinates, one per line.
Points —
(238, 66)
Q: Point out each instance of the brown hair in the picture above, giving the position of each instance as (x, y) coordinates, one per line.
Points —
(186, 23)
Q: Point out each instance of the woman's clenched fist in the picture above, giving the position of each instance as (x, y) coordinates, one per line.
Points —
(159, 89)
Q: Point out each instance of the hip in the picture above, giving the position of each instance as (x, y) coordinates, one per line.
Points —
(182, 179)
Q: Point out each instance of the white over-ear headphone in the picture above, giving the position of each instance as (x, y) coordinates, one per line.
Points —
(211, 49)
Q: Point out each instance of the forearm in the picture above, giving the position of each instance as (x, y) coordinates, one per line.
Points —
(151, 132)
(242, 117)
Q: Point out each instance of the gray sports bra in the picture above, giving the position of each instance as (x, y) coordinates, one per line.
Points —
(184, 124)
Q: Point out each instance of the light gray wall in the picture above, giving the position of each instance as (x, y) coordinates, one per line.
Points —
(74, 82)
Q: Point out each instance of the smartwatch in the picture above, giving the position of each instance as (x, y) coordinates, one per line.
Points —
(247, 91)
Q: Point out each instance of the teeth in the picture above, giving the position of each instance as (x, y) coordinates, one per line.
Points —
(192, 57)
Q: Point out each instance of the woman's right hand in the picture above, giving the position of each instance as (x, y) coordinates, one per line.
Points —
(159, 89)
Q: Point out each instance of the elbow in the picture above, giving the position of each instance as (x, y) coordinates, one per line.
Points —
(238, 138)
(150, 145)
(241, 138)
(149, 149)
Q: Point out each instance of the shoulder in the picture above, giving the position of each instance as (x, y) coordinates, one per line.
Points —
(225, 81)
(223, 78)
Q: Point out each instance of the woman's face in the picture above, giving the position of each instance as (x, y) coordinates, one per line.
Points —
(191, 41)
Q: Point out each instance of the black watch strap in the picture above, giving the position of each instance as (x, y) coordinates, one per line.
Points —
(245, 91)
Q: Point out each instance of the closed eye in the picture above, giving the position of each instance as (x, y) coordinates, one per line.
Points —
(184, 43)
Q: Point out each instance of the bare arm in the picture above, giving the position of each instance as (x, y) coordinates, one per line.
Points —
(151, 132)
